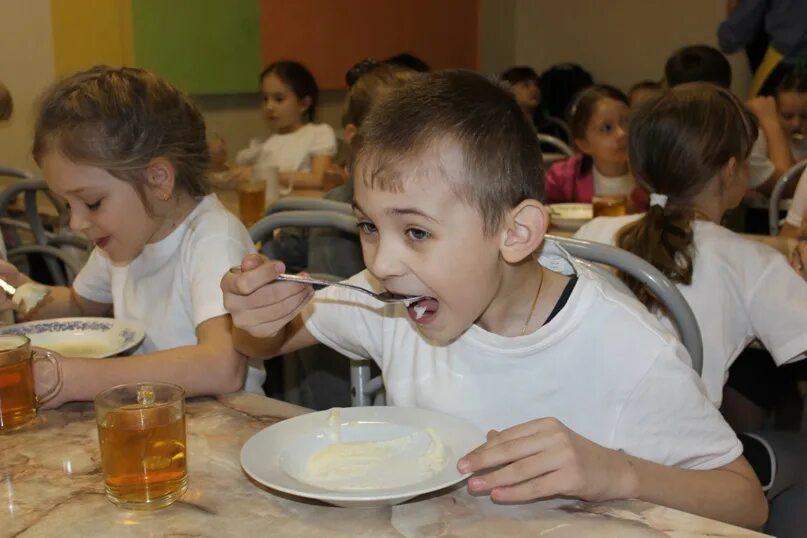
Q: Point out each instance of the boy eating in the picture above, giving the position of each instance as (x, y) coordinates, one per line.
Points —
(584, 392)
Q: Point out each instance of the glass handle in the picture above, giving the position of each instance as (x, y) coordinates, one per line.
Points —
(49, 356)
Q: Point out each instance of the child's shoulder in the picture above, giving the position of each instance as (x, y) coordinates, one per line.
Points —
(565, 168)
(211, 218)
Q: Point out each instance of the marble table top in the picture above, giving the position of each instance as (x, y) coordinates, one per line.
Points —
(52, 486)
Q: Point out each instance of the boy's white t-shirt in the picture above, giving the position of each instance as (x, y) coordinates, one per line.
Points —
(173, 285)
(603, 366)
(290, 152)
(741, 290)
(799, 204)
(760, 166)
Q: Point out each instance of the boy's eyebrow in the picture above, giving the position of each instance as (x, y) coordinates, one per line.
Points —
(399, 211)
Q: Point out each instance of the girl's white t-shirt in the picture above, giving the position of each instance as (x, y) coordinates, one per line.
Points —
(290, 152)
(603, 366)
(173, 285)
(741, 290)
(613, 185)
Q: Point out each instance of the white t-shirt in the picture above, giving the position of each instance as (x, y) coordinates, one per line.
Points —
(741, 290)
(290, 152)
(799, 205)
(173, 285)
(603, 366)
(799, 149)
(760, 166)
(612, 185)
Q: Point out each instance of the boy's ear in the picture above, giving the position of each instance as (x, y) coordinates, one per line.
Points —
(349, 133)
(161, 177)
(524, 230)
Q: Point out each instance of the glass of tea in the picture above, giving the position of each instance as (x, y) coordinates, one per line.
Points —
(141, 430)
(18, 400)
(251, 200)
(614, 205)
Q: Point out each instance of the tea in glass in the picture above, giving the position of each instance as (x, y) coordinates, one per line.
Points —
(141, 430)
(18, 399)
(251, 201)
(609, 206)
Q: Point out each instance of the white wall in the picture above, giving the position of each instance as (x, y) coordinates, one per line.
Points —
(619, 41)
(26, 67)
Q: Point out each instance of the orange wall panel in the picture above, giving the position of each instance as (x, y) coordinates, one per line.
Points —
(329, 36)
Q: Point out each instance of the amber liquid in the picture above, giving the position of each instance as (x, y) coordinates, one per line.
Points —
(143, 456)
(17, 399)
(251, 201)
(609, 206)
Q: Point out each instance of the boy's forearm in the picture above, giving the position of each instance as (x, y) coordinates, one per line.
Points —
(779, 152)
(730, 494)
(258, 347)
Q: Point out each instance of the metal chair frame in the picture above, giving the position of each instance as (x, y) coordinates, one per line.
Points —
(793, 174)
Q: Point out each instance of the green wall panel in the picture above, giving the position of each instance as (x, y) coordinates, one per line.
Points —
(201, 46)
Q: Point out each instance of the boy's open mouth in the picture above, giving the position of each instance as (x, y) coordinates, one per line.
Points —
(423, 311)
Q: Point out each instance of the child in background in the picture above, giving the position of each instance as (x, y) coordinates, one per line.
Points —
(597, 120)
(127, 152)
(770, 155)
(791, 102)
(300, 149)
(526, 87)
(690, 148)
(642, 91)
(448, 180)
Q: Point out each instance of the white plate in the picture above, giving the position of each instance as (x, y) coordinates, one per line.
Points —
(276, 456)
(81, 337)
(570, 216)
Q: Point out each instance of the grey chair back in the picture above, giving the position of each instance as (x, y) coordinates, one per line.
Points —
(299, 203)
(644, 272)
(56, 246)
(559, 145)
(774, 203)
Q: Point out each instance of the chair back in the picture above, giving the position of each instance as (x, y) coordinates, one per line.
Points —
(787, 178)
(299, 203)
(644, 272)
(559, 145)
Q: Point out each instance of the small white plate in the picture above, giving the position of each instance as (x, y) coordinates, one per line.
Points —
(277, 456)
(570, 216)
(81, 337)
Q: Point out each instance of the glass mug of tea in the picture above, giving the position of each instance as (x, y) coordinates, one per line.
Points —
(141, 430)
(615, 205)
(18, 399)
(251, 200)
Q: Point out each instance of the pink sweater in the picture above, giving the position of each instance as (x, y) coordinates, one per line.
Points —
(565, 182)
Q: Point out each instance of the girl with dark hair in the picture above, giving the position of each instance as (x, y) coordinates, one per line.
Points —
(597, 120)
(300, 149)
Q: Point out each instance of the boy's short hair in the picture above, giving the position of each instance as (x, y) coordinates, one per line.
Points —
(698, 63)
(500, 148)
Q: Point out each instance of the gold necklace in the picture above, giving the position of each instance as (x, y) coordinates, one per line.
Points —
(534, 302)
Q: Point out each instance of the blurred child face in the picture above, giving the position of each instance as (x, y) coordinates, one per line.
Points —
(105, 209)
(283, 110)
(793, 113)
(528, 95)
(606, 137)
(639, 95)
(423, 239)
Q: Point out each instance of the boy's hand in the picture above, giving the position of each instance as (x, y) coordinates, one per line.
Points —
(258, 304)
(543, 458)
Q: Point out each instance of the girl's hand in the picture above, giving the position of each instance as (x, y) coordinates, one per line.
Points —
(239, 173)
(45, 379)
(258, 304)
(10, 274)
(764, 108)
(798, 258)
(543, 458)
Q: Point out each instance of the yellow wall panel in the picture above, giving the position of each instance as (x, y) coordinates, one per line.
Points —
(90, 32)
